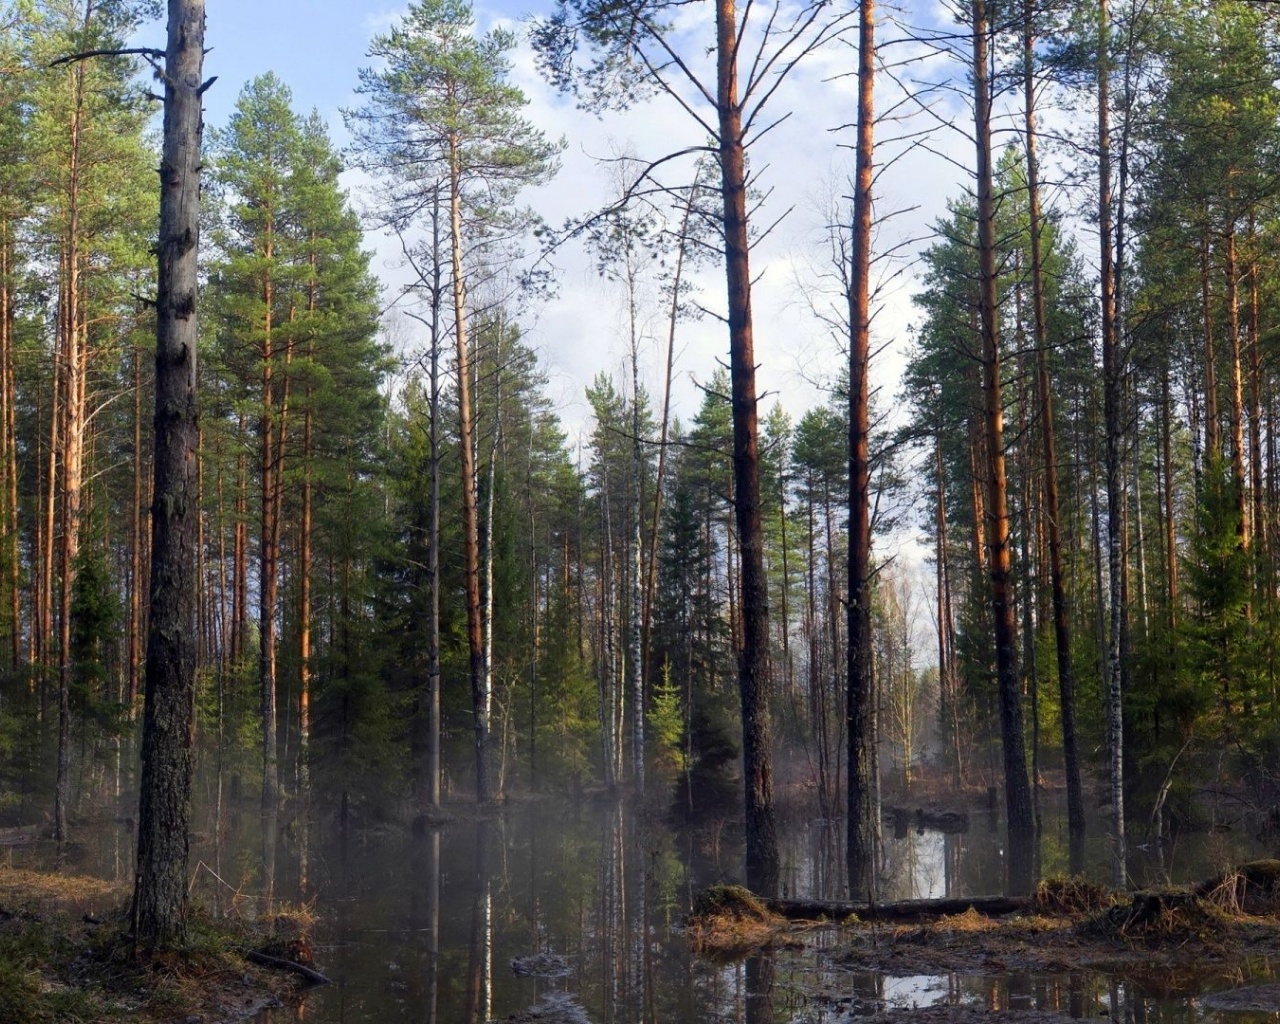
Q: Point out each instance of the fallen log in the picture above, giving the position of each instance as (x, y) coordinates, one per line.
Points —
(922, 818)
(904, 911)
(20, 835)
(281, 964)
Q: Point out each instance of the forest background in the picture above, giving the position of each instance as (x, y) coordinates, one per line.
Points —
(612, 605)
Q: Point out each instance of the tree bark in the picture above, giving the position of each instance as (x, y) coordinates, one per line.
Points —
(1053, 510)
(72, 411)
(160, 889)
(470, 518)
(433, 551)
(860, 838)
(1113, 381)
(1020, 823)
(753, 661)
(1237, 391)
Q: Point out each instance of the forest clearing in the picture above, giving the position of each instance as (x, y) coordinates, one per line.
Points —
(316, 602)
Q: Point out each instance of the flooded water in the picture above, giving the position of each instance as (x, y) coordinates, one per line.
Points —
(571, 913)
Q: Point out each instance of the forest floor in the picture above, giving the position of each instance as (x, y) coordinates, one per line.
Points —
(64, 956)
(1173, 943)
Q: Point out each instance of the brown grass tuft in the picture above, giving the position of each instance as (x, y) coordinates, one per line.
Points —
(1071, 897)
(729, 921)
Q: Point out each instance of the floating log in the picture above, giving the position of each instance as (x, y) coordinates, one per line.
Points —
(899, 910)
(281, 964)
(20, 836)
(949, 822)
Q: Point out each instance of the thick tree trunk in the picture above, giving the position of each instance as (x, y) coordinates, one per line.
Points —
(1021, 826)
(1053, 510)
(160, 892)
(72, 410)
(753, 662)
(860, 839)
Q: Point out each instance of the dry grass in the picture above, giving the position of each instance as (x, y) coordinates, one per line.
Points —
(1164, 917)
(1071, 897)
(65, 956)
(728, 922)
(34, 888)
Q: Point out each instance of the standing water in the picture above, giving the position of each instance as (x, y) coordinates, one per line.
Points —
(571, 913)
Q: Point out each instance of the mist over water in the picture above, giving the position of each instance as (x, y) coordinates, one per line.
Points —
(570, 911)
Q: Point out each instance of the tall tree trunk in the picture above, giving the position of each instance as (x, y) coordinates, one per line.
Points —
(1170, 517)
(135, 541)
(240, 551)
(73, 430)
(860, 839)
(1237, 391)
(1053, 510)
(1113, 382)
(1212, 438)
(673, 317)
(305, 560)
(486, 546)
(1256, 491)
(48, 531)
(160, 890)
(948, 685)
(470, 522)
(638, 653)
(268, 542)
(1021, 826)
(753, 663)
(8, 444)
(433, 526)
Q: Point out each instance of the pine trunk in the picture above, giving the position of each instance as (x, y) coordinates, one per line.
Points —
(753, 663)
(1020, 823)
(860, 839)
(1113, 382)
(470, 519)
(160, 893)
(1053, 510)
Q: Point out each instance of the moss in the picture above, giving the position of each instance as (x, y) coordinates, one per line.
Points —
(59, 964)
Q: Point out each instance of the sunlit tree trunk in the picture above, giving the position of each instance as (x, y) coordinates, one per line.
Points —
(72, 410)
(753, 662)
(1238, 455)
(480, 697)
(1021, 826)
(1053, 510)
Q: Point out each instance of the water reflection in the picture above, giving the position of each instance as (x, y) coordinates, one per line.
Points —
(573, 910)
